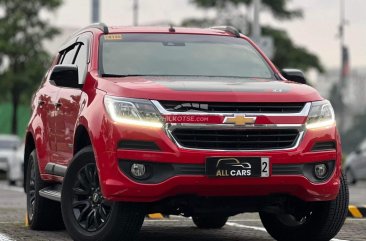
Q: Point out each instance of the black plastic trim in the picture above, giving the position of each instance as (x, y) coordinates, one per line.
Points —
(159, 172)
(306, 170)
(309, 171)
(235, 139)
(138, 145)
(287, 169)
(324, 146)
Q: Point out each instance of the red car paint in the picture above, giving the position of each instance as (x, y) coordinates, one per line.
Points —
(53, 129)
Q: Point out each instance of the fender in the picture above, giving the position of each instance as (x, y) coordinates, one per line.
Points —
(93, 121)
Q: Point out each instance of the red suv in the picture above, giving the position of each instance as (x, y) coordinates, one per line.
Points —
(181, 121)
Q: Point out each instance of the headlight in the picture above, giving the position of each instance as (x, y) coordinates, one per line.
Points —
(321, 115)
(133, 111)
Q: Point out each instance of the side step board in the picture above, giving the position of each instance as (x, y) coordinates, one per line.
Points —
(52, 192)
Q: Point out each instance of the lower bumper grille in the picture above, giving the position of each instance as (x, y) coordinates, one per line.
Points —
(236, 139)
(164, 171)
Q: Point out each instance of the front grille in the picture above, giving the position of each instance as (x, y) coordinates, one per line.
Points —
(232, 107)
(236, 139)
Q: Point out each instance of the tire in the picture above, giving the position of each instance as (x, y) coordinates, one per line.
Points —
(87, 215)
(209, 222)
(42, 213)
(323, 222)
(351, 179)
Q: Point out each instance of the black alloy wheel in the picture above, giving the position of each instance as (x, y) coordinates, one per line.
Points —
(87, 214)
(90, 209)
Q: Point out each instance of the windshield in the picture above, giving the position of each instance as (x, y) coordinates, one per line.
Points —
(180, 55)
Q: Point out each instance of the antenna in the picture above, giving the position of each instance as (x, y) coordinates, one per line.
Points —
(171, 29)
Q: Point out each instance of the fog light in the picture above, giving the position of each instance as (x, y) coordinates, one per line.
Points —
(320, 170)
(138, 170)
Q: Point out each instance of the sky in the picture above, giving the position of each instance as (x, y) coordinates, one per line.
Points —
(317, 31)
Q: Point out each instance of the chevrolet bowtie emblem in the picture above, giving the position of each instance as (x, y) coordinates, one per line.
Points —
(239, 120)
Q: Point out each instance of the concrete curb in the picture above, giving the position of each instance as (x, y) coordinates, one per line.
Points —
(356, 211)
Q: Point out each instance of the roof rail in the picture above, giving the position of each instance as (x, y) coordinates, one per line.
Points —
(102, 26)
(229, 29)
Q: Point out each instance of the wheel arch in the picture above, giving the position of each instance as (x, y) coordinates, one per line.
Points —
(29, 146)
(81, 138)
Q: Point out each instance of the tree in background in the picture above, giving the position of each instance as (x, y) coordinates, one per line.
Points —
(22, 56)
(287, 53)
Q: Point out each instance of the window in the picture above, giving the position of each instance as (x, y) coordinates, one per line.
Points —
(182, 55)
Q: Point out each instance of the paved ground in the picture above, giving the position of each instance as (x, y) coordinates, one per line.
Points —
(358, 194)
(241, 227)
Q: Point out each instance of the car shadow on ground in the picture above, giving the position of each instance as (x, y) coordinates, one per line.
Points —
(184, 233)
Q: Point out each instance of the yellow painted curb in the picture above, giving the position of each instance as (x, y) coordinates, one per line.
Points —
(155, 216)
(26, 222)
(356, 212)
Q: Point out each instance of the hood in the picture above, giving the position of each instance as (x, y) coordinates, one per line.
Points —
(216, 89)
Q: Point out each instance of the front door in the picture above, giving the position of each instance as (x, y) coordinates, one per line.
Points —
(69, 103)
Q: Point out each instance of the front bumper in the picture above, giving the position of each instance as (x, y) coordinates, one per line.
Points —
(118, 186)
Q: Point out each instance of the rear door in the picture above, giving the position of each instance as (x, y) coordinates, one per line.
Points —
(45, 108)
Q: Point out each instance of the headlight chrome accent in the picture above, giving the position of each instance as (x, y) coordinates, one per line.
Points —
(139, 112)
(321, 115)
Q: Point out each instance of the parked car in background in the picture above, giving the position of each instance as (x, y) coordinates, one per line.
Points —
(11, 157)
(16, 167)
(355, 165)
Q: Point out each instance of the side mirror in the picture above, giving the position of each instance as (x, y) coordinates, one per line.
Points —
(294, 75)
(65, 76)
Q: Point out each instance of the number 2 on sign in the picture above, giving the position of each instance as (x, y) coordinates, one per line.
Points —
(265, 167)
